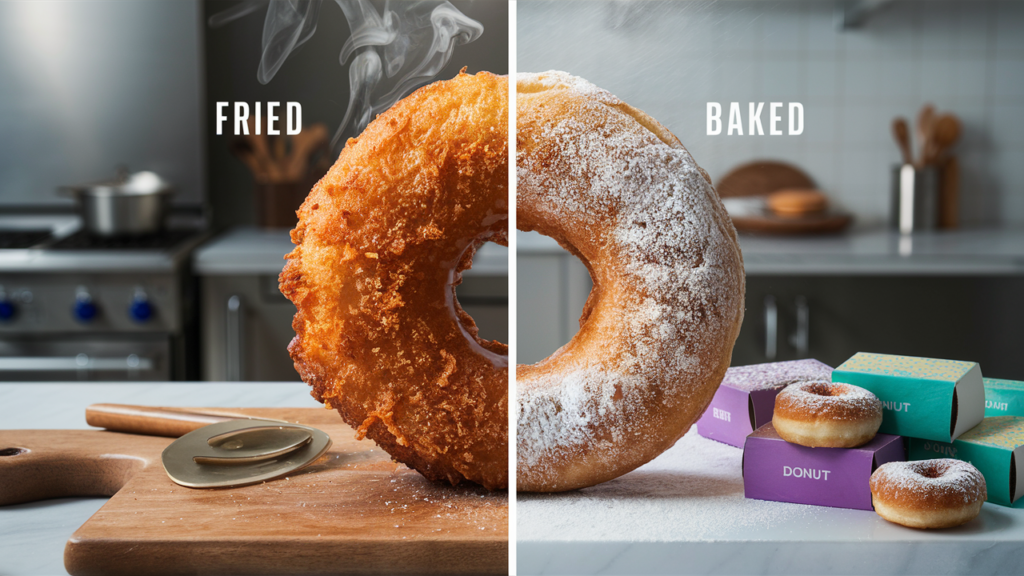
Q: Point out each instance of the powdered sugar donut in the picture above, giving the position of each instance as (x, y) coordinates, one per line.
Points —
(618, 190)
(827, 415)
(928, 493)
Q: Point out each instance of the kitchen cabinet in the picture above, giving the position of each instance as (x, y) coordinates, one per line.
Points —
(973, 318)
(247, 324)
(942, 294)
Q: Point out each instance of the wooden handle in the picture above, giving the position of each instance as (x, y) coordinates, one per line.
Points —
(902, 134)
(40, 464)
(148, 420)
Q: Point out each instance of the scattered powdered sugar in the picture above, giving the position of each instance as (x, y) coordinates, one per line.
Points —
(835, 401)
(693, 491)
(942, 478)
(654, 233)
(776, 374)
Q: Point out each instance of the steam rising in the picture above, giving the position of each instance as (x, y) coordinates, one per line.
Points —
(414, 38)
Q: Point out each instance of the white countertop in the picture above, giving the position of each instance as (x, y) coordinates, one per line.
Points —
(32, 536)
(247, 250)
(871, 251)
(685, 513)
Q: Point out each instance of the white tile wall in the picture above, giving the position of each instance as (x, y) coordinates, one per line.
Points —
(671, 58)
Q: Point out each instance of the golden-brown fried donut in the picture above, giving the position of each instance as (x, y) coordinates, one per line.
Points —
(381, 243)
(618, 190)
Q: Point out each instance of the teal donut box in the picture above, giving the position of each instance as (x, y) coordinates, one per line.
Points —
(995, 447)
(922, 398)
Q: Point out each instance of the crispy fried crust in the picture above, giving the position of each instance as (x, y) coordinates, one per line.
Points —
(380, 245)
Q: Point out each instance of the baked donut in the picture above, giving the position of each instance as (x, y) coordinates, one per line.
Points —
(618, 190)
(827, 415)
(380, 246)
(928, 493)
(795, 203)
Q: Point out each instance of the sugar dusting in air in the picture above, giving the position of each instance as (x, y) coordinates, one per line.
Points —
(674, 252)
(693, 491)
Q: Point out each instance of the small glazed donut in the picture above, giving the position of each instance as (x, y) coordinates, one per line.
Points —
(381, 243)
(619, 191)
(928, 493)
(827, 415)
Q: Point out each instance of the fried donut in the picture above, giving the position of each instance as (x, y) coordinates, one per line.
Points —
(380, 246)
(827, 415)
(938, 493)
(618, 190)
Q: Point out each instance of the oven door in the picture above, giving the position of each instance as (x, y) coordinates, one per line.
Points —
(108, 358)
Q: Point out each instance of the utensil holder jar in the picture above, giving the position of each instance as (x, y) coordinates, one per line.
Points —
(915, 198)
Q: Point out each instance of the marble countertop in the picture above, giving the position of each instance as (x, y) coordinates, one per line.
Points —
(869, 251)
(247, 250)
(684, 513)
(32, 536)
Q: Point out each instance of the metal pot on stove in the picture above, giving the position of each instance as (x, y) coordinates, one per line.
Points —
(130, 205)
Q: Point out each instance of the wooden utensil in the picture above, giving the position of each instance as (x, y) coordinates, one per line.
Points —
(261, 151)
(242, 148)
(901, 132)
(925, 119)
(304, 144)
(171, 422)
(945, 133)
(352, 511)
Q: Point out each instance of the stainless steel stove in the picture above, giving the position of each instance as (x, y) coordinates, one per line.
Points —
(78, 307)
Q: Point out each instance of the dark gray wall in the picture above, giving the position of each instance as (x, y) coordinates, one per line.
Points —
(311, 76)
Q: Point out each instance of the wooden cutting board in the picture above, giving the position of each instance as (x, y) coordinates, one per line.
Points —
(353, 511)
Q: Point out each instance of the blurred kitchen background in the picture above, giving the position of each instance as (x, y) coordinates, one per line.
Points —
(840, 278)
(137, 244)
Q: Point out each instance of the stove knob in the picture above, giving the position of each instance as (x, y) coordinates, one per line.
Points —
(140, 309)
(84, 310)
(7, 309)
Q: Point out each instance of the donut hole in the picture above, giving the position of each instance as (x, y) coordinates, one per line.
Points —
(483, 295)
(555, 297)
(824, 389)
(931, 471)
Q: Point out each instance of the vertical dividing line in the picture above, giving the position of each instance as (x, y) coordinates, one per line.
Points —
(513, 342)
